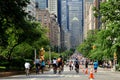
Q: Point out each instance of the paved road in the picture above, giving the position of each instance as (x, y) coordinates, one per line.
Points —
(68, 75)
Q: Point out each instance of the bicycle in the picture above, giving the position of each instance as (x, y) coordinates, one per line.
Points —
(27, 72)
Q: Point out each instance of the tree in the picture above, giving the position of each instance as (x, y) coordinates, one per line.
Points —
(86, 46)
(110, 17)
(15, 29)
(11, 22)
(107, 39)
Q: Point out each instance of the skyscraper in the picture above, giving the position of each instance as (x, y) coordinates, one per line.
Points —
(72, 20)
(53, 6)
(42, 4)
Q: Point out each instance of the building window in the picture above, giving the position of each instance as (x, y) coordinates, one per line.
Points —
(39, 18)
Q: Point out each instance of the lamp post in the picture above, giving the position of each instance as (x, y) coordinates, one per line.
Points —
(114, 57)
(49, 55)
(34, 54)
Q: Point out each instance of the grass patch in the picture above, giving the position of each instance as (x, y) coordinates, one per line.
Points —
(2, 67)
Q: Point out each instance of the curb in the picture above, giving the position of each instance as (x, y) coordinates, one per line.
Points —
(11, 73)
(5, 74)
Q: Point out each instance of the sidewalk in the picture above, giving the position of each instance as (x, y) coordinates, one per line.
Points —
(10, 73)
(108, 70)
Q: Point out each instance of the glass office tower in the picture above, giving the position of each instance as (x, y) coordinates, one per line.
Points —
(72, 20)
(42, 4)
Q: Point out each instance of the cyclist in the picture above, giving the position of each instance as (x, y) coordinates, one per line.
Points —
(37, 65)
(54, 64)
(27, 68)
(42, 66)
(76, 65)
(60, 64)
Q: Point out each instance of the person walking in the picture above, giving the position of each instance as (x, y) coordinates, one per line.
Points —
(86, 66)
(95, 64)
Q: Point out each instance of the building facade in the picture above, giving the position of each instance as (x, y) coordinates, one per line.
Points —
(90, 21)
(31, 8)
(48, 21)
(72, 21)
(53, 6)
(54, 31)
(42, 4)
(43, 16)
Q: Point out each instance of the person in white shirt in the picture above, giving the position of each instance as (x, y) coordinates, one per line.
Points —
(54, 63)
(27, 68)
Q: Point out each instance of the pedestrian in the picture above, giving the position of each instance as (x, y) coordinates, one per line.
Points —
(86, 64)
(95, 64)
(27, 68)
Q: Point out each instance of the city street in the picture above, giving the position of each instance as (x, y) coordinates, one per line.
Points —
(102, 74)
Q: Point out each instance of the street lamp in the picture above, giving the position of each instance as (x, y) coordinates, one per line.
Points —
(34, 54)
(49, 55)
(114, 56)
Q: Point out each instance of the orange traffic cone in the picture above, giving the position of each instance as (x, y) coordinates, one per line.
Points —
(91, 76)
(86, 71)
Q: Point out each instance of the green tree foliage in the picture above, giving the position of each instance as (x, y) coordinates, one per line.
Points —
(18, 36)
(107, 39)
(66, 54)
(11, 17)
(110, 16)
(52, 54)
(87, 45)
(12, 23)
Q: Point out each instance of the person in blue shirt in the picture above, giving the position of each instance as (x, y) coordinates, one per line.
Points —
(95, 64)
(42, 66)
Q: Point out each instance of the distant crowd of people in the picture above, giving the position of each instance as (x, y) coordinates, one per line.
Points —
(76, 63)
(58, 65)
